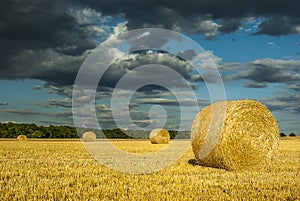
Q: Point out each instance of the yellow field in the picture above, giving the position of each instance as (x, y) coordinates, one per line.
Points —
(64, 170)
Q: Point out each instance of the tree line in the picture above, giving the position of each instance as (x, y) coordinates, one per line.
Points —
(13, 130)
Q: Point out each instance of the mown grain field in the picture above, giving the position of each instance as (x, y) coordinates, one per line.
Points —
(64, 170)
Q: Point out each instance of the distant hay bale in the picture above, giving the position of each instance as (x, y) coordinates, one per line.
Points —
(248, 136)
(22, 138)
(159, 136)
(89, 136)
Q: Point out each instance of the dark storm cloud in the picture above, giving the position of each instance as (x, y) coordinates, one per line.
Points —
(46, 65)
(38, 25)
(189, 15)
(280, 25)
(42, 40)
(284, 102)
(129, 62)
(263, 71)
(230, 25)
(187, 54)
(48, 40)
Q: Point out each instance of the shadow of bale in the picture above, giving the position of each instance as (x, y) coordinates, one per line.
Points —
(193, 162)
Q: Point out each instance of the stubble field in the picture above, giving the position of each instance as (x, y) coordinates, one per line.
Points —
(64, 170)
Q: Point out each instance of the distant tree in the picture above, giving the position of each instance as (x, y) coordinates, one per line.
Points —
(292, 135)
(282, 135)
(173, 134)
(36, 134)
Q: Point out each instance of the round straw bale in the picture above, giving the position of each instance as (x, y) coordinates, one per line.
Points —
(248, 135)
(89, 136)
(22, 138)
(159, 136)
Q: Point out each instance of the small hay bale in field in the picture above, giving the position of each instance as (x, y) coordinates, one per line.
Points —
(248, 136)
(159, 136)
(22, 138)
(89, 136)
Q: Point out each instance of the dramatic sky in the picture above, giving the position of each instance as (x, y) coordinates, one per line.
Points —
(255, 44)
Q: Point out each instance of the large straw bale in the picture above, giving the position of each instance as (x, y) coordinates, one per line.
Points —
(22, 138)
(89, 136)
(159, 136)
(248, 135)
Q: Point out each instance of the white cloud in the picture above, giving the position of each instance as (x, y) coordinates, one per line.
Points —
(86, 15)
(120, 28)
(273, 45)
(210, 28)
(207, 60)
